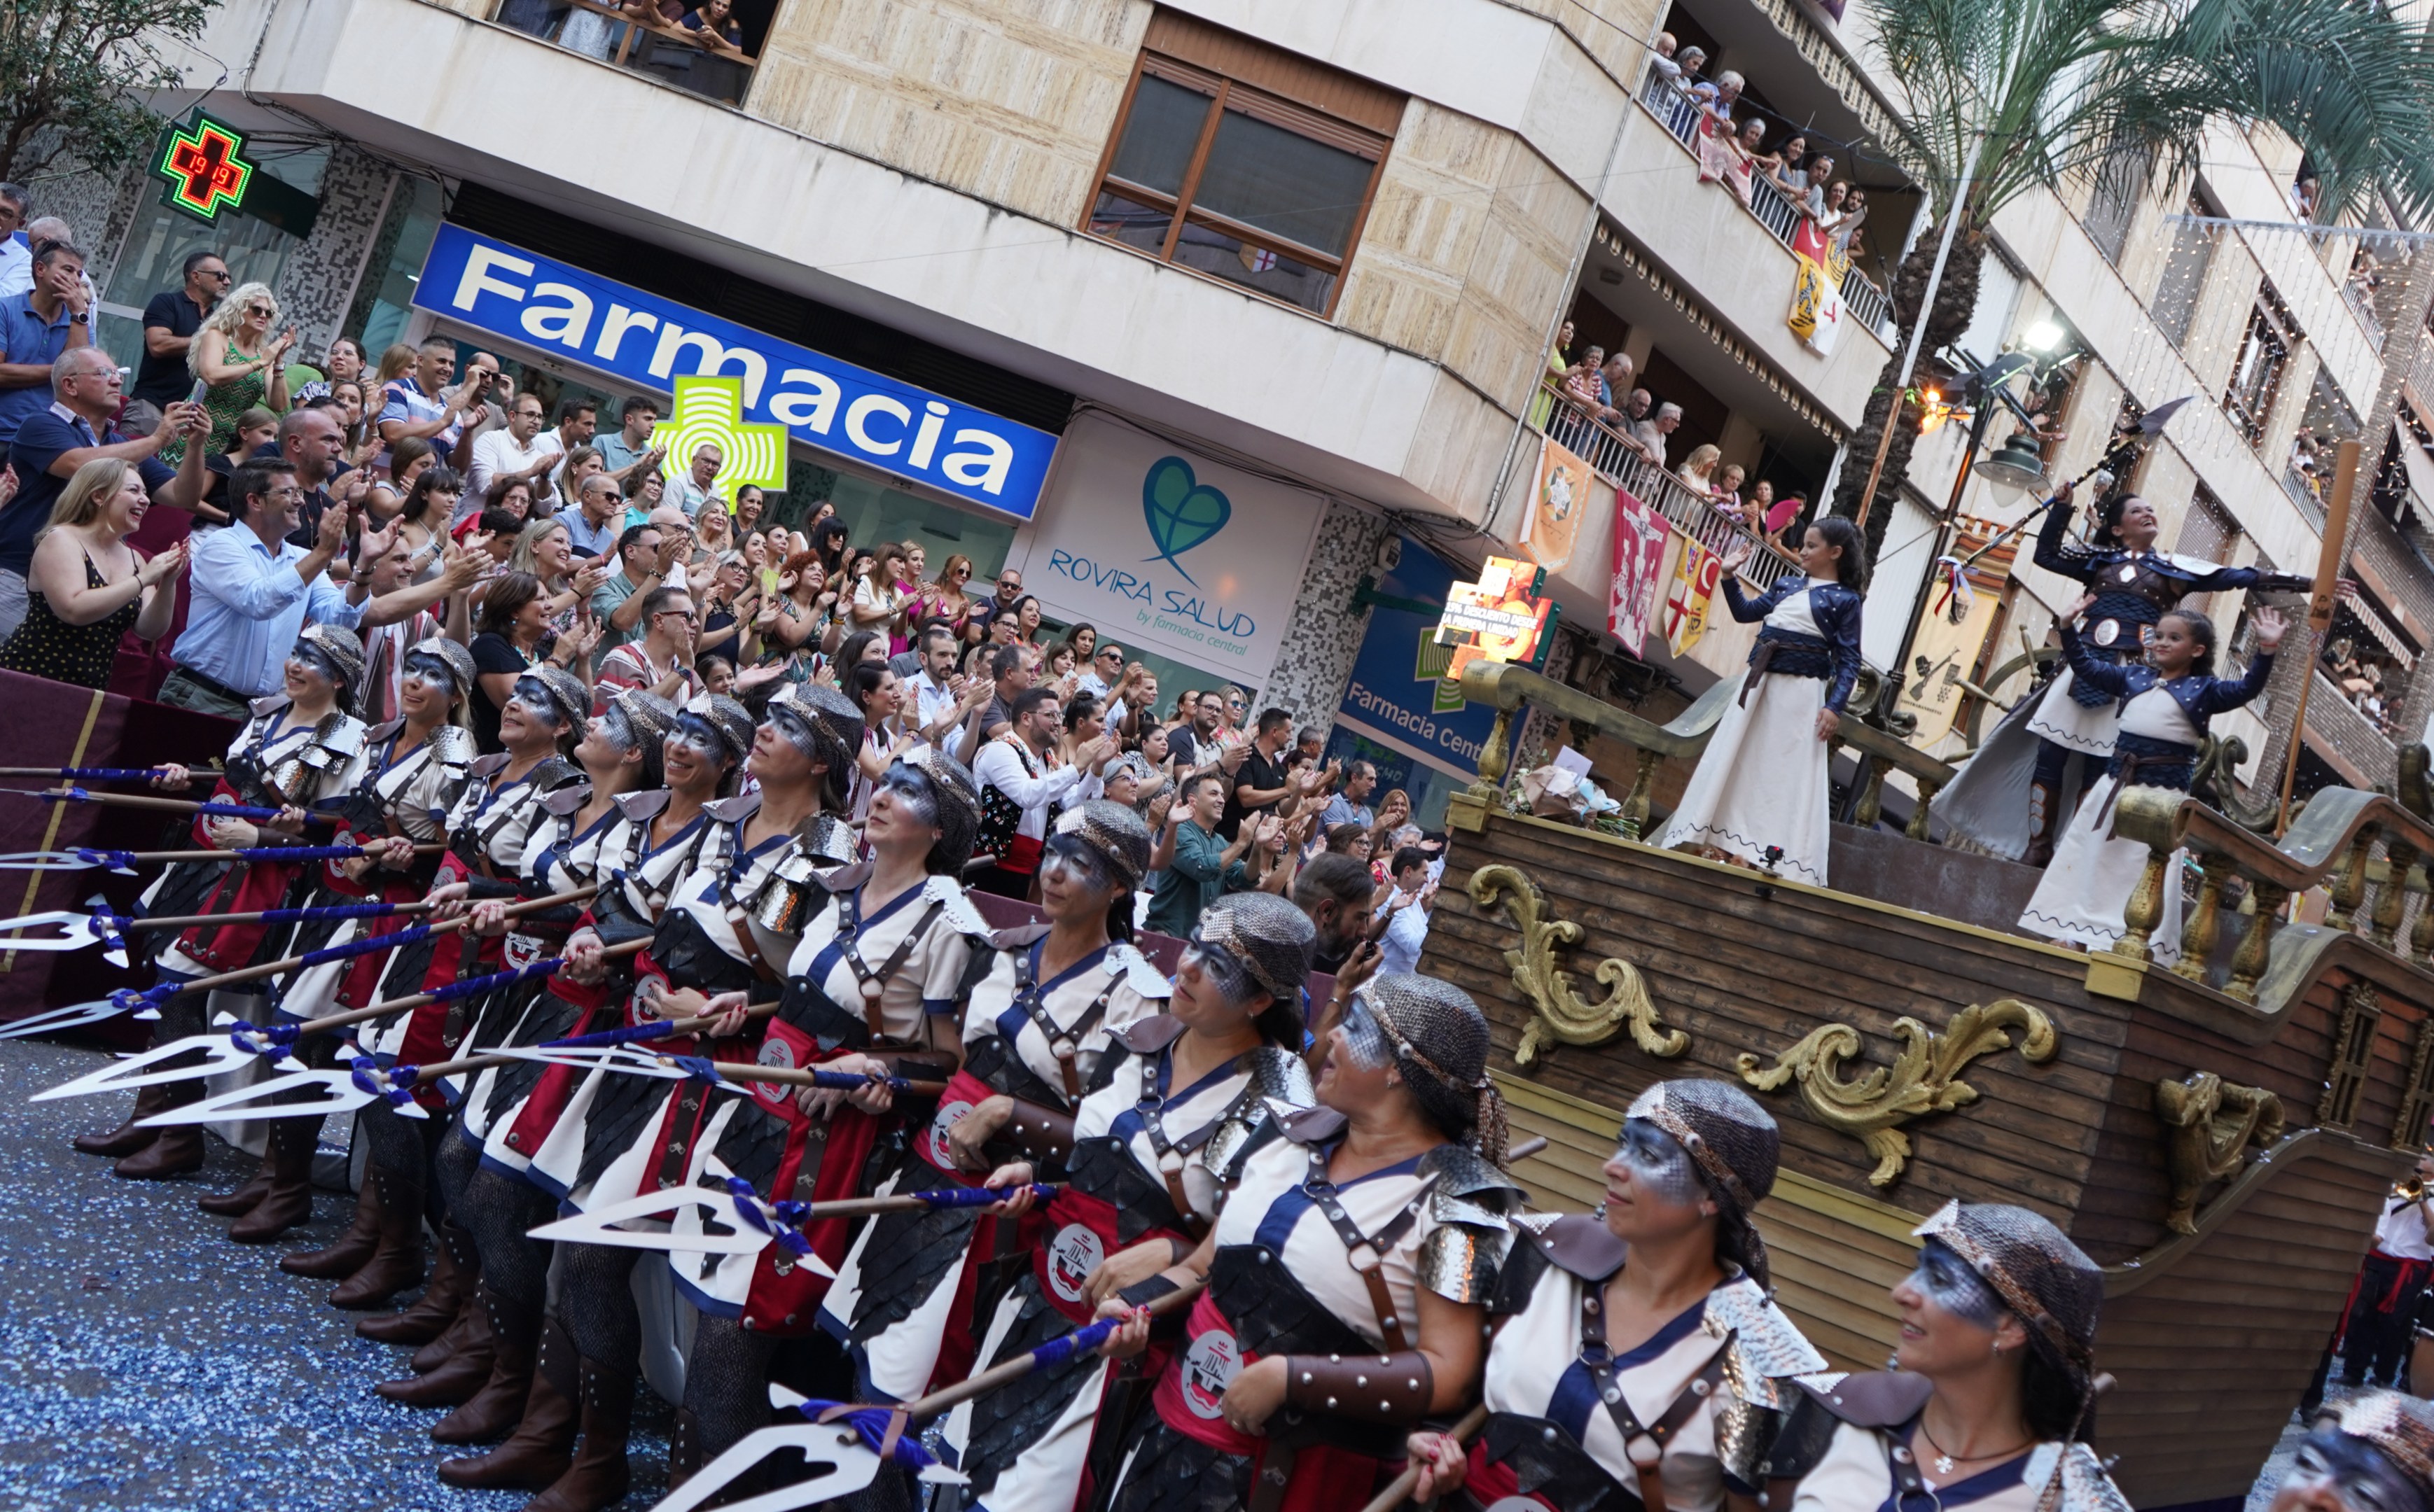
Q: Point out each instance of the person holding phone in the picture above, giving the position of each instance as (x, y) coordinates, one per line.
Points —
(1402, 923)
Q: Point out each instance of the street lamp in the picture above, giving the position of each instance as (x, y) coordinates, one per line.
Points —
(2016, 466)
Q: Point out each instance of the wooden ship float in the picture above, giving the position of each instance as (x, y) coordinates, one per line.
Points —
(2218, 1134)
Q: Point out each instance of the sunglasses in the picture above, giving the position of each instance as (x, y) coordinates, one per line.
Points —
(262, 310)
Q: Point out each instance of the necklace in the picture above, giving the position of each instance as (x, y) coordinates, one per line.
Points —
(1944, 1459)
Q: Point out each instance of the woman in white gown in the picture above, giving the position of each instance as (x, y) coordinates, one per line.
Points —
(1763, 783)
(2164, 705)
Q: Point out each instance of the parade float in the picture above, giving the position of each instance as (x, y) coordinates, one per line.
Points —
(2217, 1134)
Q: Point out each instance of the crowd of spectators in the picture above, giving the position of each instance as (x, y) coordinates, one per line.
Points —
(171, 539)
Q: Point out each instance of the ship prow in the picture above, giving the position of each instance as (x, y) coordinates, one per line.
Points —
(2219, 1135)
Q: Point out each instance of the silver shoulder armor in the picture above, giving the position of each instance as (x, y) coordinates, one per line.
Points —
(1138, 971)
(830, 840)
(452, 746)
(959, 915)
(1767, 1346)
(1472, 1203)
(2070, 1478)
(1279, 1079)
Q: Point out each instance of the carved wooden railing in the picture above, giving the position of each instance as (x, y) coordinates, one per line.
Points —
(1510, 690)
(2331, 844)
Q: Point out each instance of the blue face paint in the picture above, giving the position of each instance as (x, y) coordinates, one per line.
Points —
(911, 792)
(1947, 1280)
(1079, 865)
(1365, 1038)
(1221, 967)
(1659, 1167)
(2355, 1470)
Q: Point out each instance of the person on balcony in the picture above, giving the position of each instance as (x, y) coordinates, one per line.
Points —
(1543, 407)
(1649, 429)
(1717, 131)
(1740, 164)
(1761, 793)
(2165, 702)
(2015, 794)
(1786, 166)
(1697, 471)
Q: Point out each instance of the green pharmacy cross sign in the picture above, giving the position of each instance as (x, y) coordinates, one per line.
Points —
(203, 164)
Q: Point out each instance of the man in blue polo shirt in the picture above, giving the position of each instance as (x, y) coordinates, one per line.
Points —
(37, 326)
(74, 430)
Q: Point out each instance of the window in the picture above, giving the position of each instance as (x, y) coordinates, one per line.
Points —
(2185, 273)
(2121, 184)
(2256, 377)
(708, 54)
(1245, 177)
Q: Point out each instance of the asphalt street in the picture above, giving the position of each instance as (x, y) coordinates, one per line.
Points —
(145, 1362)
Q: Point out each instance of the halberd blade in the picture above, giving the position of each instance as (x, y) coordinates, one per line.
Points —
(218, 1053)
(53, 1020)
(79, 931)
(835, 1463)
(339, 1095)
(597, 1225)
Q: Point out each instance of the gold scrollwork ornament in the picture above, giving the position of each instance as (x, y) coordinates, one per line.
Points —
(2211, 1124)
(1559, 1012)
(1924, 1079)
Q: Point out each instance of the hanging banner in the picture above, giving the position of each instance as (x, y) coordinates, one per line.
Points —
(1816, 315)
(1641, 540)
(1689, 592)
(1557, 504)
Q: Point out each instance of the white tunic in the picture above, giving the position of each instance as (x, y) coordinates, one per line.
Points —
(1855, 1476)
(2084, 893)
(1764, 779)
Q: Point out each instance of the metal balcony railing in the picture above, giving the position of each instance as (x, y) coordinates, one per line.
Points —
(1676, 112)
(2361, 303)
(1617, 461)
(637, 36)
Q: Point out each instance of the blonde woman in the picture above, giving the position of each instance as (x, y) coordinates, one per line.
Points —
(238, 359)
(1698, 470)
(87, 588)
(546, 548)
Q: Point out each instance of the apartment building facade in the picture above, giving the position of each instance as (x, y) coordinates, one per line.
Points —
(996, 266)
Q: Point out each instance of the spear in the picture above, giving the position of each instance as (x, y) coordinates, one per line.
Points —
(103, 773)
(101, 926)
(168, 805)
(137, 1072)
(128, 861)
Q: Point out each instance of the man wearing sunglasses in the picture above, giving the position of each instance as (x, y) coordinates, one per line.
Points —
(170, 322)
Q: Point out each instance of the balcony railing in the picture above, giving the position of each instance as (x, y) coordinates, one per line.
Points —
(1618, 462)
(1680, 117)
(2302, 490)
(2361, 303)
(636, 36)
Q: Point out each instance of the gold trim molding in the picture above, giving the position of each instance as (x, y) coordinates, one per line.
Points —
(2211, 1123)
(1560, 1013)
(1924, 1079)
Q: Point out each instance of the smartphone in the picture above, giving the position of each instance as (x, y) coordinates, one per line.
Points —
(194, 395)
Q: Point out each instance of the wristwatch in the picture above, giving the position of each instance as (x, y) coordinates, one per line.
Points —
(82, 317)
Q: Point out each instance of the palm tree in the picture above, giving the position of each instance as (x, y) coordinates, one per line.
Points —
(2030, 93)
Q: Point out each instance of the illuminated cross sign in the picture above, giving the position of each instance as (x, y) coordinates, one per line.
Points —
(204, 169)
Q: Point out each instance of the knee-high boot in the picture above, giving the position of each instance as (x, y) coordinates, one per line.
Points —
(515, 1336)
(289, 1200)
(542, 1446)
(127, 1137)
(176, 1151)
(2044, 808)
(429, 1320)
(396, 1259)
(599, 1476)
(348, 1253)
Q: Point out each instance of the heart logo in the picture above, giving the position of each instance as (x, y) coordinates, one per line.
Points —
(1182, 511)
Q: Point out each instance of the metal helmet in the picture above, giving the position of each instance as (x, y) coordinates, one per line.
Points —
(1116, 835)
(822, 724)
(2400, 1428)
(2042, 1277)
(1735, 1145)
(569, 699)
(639, 721)
(452, 657)
(344, 651)
(1440, 1045)
(1272, 939)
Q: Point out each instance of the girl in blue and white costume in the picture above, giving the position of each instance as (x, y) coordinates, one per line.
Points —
(2164, 705)
(2016, 793)
(1764, 780)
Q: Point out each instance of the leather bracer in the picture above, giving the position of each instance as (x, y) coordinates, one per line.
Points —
(1370, 1387)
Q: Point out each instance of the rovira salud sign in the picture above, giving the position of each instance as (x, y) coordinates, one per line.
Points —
(648, 343)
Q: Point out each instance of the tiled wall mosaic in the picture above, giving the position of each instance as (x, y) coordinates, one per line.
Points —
(1324, 637)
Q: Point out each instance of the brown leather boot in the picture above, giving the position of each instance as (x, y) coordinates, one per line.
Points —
(684, 1449)
(289, 1200)
(451, 1338)
(542, 1446)
(431, 1315)
(179, 1151)
(458, 1378)
(238, 1203)
(495, 1410)
(2043, 812)
(396, 1259)
(349, 1252)
(127, 1139)
(599, 1477)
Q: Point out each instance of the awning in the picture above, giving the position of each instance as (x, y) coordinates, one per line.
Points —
(2369, 616)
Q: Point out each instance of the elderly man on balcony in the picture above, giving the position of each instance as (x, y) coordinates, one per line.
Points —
(1652, 431)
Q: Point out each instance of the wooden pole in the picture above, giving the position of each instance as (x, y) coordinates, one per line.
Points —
(2321, 596)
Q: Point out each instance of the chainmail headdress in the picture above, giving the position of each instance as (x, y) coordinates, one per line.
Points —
(1440, 1040)
(733, 721)
(345, 652)
(1735, 1145)
(825, 726)
(2401, 1427)
(1272, 939)
(959, 807)
(450, 655)
(2042, 1277)
(1117, 835)
(639, 720)
(566, 691)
